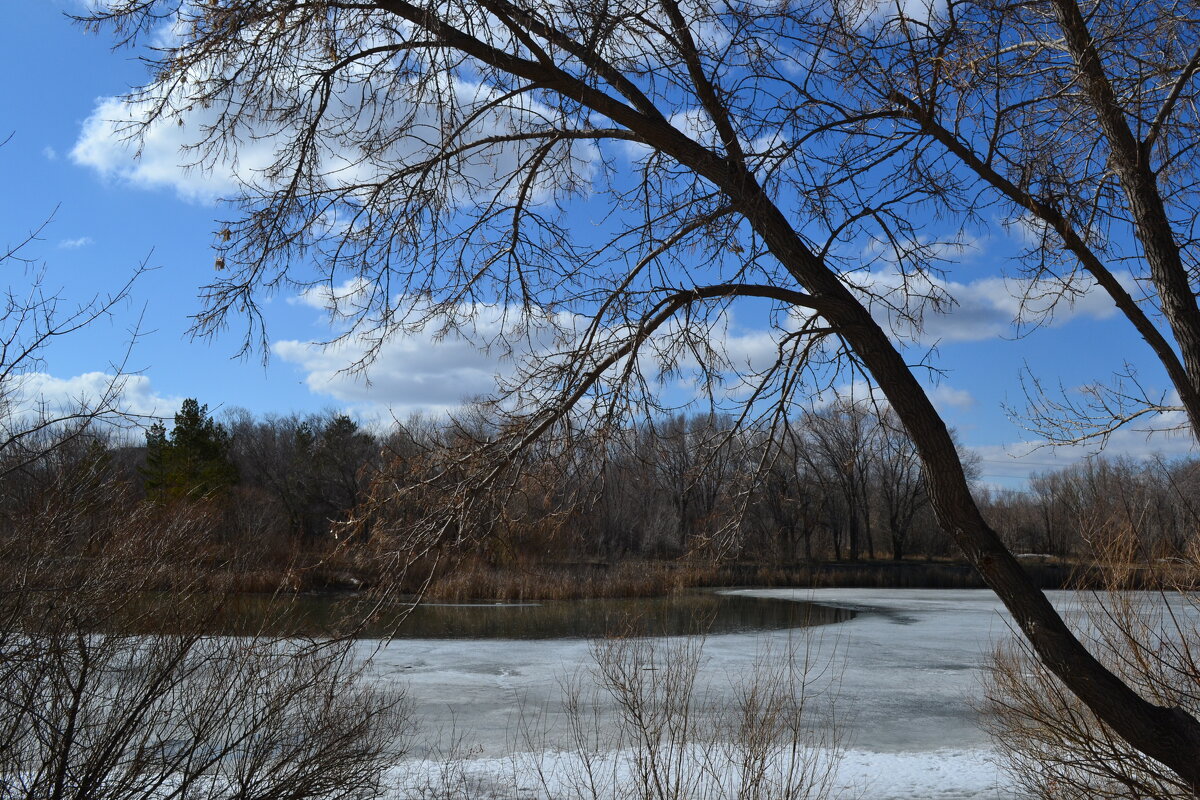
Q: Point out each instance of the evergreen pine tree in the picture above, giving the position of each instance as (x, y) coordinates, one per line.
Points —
(193, 461)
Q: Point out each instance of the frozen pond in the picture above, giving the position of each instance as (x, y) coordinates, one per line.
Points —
(905, 670)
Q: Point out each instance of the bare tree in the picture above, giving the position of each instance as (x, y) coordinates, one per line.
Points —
(839, 450)
(692, 461)
(789, 498)
(900, 484)
(33, 316)
(1078, 120)
(424, 155)
(1053, 744)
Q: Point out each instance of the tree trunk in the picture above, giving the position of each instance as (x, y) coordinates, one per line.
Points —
(897, 545)
(852, 526)
(1169, 735)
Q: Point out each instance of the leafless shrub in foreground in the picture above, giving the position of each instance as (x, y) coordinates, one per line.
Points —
(669, 736)
(113, 687)
(1052, 744)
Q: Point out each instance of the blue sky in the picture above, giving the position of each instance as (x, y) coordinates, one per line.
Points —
(111, 214)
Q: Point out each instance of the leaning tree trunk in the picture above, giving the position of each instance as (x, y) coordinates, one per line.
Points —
(1169, 735)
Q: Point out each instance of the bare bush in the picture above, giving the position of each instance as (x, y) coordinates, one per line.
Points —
(1052, 744)
(113, 687)
(670, 737)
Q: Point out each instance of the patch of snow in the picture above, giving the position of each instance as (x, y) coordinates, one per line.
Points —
(864, 775)
(935, 775)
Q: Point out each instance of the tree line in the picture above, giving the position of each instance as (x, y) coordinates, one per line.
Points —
(838, 483)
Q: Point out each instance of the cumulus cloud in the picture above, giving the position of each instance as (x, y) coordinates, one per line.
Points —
(878, 12)
(163, 154)
(410, 373)
(434, 370)
(429, 369)
(986, 308)
(75, 244)
(336, 301)
(944, 397)
(1009, 465)
(1165, 435)
(947, 397)
(37, 392)
(161, 159)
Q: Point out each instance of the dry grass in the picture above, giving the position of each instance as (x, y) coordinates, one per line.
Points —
(473, 579)
(477, 581)
(894, 575)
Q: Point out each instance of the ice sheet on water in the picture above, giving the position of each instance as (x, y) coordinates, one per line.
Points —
(906, 671)
(904, 686)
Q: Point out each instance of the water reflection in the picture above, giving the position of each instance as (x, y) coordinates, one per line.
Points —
(660, 616)
(685, 614)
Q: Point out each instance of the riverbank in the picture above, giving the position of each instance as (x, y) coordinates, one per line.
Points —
(473, 580)
(516, 584)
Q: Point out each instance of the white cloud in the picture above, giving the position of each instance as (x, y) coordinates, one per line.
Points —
(35, 392)
(878, 12)
(337, 301)
(408, 375)
(986, 308)
(432, 370)
(49, 153)
(1027, 230)
(161, 161)
(944, 397)
(1009, 465)
(425, 370)
(947, 397)
(163, 154)
(75, 244)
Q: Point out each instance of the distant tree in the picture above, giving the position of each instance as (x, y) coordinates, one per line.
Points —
(193, 461)
(341, 454)
(899, 482)
(327, 469)
(789, 500)
(839, 449)
(692, 460)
